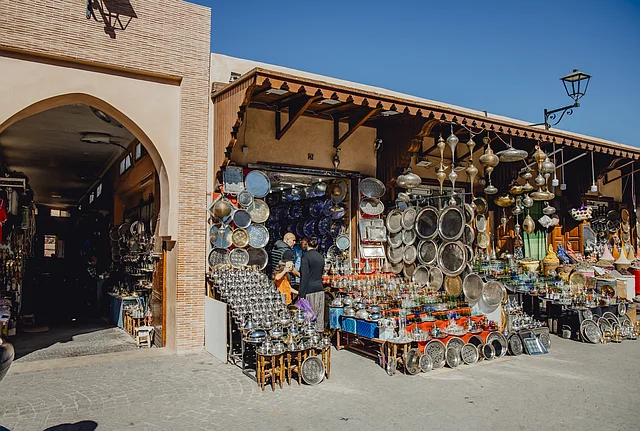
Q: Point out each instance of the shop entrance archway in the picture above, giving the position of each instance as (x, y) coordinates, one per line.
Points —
(134, 140)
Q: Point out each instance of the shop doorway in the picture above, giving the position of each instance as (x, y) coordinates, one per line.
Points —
(80, 239)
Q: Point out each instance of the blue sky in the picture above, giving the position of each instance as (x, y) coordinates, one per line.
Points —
(502, 56)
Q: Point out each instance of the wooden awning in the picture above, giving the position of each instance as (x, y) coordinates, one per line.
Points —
(362, 105)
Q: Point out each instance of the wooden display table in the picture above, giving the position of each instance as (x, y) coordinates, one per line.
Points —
(371, 347)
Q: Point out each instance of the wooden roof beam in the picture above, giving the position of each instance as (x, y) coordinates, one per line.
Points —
(296, 109)
(355, 121)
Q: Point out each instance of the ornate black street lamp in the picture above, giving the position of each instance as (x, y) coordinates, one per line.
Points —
(575, 84)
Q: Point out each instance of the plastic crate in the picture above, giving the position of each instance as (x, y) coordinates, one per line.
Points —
(334, 317)
(367, 329)
(348, 324)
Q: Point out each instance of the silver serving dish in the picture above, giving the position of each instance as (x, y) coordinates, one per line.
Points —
(312, 370)
(395, 239)
(451, 223)
(218, 256)
(590, 331)
(258, 257)
(427, 223)
(497, 336)
(468, 235)
(259, 211)
(426, 363)
(436, 350)
(452, 357)
(472, 287)
(515, 346)
(455, 343)
(469, 354)
(238, 257)
(412, 361)
(409, 237)
(372, 188)
(436, 278)
(421, 276)
(409, 218)
(394, 221)
(395, 255)
(493, 293)
(408, 270)
(371, 206)
(257, 183)
(258, 235)
(409, 255)
(452, 258)
(487, 351)
(427, 252)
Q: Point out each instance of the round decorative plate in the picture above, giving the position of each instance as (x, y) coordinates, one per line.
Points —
(395, 239)
(408, 270)
(258, 257)
(409, 254)
(371, 206)
(427, 223)
(587, 314)
(515, 345)
(372, 188)
(312, 370)
(590, 331)
(394, 221)
(426, 363)
(259, 211)
(436, 278)
(455, 342)
(394, 254)
(409, 237)
(545, 339)
(481, 224)
(436, 350)
(482, 239)
(496, 335)
(469, 354)
(409, 218)
(421, 276)
(452, 258)
(258, 236)
(451, 223)
(241, 218)
(218, 256)
(343, 242)
(468, 235)
(238, 257)
(257, 183)
(412, 361)
(453, 285)
(493, 293)
(488, 352)
(427, 252)
(453, 357)
(472, 287)
(240, 237)
(220, 236)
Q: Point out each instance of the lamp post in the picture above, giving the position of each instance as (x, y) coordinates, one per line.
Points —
(575, 84)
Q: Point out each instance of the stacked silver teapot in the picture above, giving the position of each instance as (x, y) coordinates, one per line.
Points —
(261, 314)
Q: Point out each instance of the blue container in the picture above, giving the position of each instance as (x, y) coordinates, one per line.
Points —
(367, 329)
(334, 317)
(348, 324)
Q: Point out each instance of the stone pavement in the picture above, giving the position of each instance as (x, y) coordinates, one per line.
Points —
(576, 387)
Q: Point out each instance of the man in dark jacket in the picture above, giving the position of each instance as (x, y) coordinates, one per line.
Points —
(283, 251)
(311, 288)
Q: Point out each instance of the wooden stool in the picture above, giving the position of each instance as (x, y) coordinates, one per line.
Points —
(294, 362)
(326, 359)
(270, 367)
(143, 336)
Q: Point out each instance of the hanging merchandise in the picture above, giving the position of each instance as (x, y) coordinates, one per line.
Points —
(489, 160)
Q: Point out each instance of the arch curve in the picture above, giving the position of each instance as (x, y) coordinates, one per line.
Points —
(128, 123)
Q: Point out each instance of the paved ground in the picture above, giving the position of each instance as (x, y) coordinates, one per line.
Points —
(71, 339)
(576, 387)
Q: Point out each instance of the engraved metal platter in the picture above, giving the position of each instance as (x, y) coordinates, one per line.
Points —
(452, 258)
(427, 252)
(412, 361)
(468, 235)
(472, 287)
(493, 293)
(515, 346)
(394, 254)
(453, 285)
(426, 363)
(496, 335)
(312, 370)
(240, 237)
(451, 223)
(408, 270)
(590, 331)
(436, 350)
(218, 256)
(394, 221)
(612, 318)
(397, 268)
(258, 236)
(238, 257)
(469, 213)
(259, 211)
(395, 239)
(469, 354)
(543, 337)
(257, 183)
(258, 257)
(409, 218)
(241, 218)
(453, 357)
(455, 342)
(436, 278)
(482, 240)
(427, 223)
(245, 199)
(371, 206)
(421, 276)
(220, 236)
(409, 237)
(372, 188)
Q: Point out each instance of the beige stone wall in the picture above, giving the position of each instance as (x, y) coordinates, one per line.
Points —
(166, 43)
(307, 135)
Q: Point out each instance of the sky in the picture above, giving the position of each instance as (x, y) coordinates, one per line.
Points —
(506, 57)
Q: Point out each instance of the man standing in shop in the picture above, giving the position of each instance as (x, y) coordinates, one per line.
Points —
(311, 288)
(298, 251)
(283, 251)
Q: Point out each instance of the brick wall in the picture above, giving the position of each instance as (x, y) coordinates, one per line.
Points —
(167, 38)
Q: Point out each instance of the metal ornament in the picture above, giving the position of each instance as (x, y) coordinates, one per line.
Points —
(312, 370)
